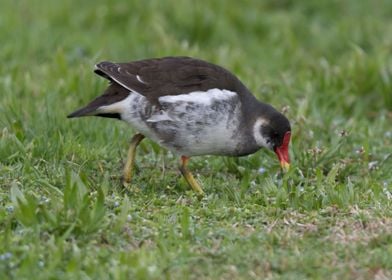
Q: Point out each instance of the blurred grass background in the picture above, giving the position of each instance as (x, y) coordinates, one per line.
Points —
(64, 214)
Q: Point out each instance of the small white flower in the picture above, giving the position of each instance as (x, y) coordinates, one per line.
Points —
(9, 208)
(44, 199)
(152, 268)
(372, 165)
(262, 170)
(387, 193)
(360, 150)
(5, 256)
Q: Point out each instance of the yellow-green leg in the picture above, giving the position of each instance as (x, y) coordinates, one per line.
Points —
(189, 177)
(136, 139)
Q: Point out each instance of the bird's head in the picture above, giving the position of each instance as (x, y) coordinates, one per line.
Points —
(274, 133)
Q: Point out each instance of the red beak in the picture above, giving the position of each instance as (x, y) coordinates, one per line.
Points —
(283, 151)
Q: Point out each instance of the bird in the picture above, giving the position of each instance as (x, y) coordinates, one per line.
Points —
(188, 106)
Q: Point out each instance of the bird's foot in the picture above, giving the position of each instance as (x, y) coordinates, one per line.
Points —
(189, 177)
(128, 168)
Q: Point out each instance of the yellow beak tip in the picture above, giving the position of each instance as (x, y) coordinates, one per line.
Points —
(285, 166)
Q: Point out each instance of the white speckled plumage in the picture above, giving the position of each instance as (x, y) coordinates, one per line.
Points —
(197, 123)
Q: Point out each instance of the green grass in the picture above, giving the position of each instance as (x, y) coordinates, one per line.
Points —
(63, 211)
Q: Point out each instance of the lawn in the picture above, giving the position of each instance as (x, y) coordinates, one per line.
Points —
(64, 213)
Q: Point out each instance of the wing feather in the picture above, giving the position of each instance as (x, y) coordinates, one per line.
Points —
(154, 78)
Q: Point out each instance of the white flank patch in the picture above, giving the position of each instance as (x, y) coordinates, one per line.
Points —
(120, 107)
(202, 97)
(260, 140)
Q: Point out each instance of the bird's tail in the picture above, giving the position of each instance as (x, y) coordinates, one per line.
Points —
(101, 106)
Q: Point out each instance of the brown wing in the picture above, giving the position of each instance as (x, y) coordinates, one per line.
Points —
(169, 76)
